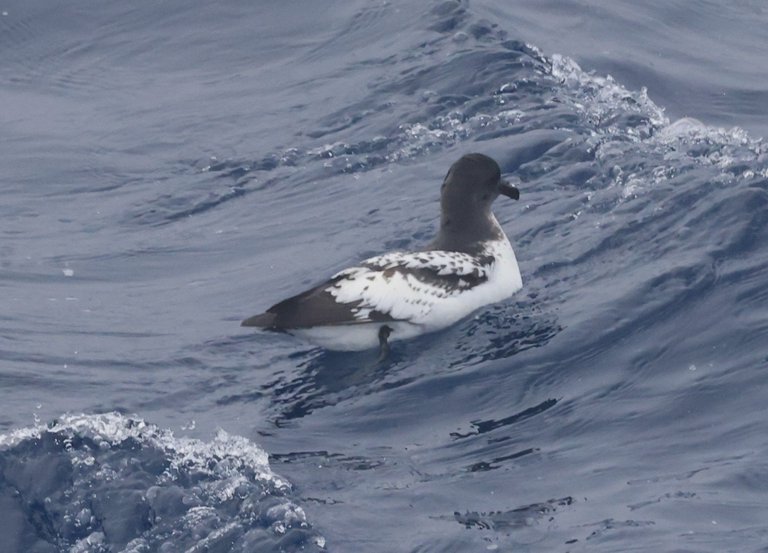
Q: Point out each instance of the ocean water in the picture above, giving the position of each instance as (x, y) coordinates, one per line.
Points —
(169, 168)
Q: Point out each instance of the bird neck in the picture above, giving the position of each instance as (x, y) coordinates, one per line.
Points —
(465, 233)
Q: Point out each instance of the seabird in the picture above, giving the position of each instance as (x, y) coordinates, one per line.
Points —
(401, 295)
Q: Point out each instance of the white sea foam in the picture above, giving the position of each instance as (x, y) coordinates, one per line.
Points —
(231, 453)
(210, 477)
(601, 98)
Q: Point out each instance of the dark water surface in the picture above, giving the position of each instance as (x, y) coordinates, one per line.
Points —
(169, 168)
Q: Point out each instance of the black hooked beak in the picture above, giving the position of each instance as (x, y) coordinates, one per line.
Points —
(508, 190)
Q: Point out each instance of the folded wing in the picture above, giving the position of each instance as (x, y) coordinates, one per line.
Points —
(391, 287)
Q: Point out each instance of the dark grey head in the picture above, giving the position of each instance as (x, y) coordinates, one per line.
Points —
(469, 189)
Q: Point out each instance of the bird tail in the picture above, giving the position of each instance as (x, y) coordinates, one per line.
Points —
(263, 320)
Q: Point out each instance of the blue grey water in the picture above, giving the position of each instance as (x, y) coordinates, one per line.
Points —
(169, 168)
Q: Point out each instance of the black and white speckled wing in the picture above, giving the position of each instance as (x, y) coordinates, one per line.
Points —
(387, 288)
(406, 286)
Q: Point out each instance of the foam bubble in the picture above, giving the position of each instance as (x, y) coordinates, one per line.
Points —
(116, 483)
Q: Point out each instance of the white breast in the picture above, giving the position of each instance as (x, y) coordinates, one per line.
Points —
(503, 281)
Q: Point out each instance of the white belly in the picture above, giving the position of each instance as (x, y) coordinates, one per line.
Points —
(356, 337)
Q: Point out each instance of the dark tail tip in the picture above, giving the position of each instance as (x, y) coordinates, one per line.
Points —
(263, 320)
